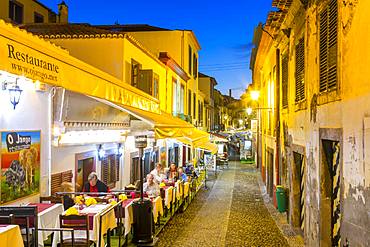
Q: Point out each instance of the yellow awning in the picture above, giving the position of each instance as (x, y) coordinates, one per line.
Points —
(164, 124)
(208, 146)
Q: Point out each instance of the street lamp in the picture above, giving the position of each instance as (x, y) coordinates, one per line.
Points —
(249, 110)
(255, 95)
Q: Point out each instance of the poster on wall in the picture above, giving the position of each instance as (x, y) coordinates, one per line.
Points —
(20, 164)
(163, 156)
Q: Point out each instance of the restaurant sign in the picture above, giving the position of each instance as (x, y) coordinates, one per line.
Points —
(20, 164)
(31, 65)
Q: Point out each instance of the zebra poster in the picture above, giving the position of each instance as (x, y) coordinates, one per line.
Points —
(20, 164)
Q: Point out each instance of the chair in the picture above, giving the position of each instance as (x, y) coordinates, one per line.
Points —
(50, 199)
(26, 218)
(7, 219)
(75, 222)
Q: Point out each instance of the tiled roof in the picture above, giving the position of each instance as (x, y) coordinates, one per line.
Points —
(131, 28)
(275, 19)
(282, 4)
(69, 30)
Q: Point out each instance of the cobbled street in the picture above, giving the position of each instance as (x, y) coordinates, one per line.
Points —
(231, 212)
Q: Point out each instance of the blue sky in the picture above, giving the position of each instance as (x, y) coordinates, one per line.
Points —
(223, 28)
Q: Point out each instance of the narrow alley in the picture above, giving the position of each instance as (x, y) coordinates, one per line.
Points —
(230, 212)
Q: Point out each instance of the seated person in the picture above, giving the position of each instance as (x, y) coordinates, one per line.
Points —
(67, 199)
(182, 175)
(158, 173)
(94, 184)
(151, 188)
(172, 174)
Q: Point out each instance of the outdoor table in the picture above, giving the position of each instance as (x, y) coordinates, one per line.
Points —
(157, 207)
(47, 217)
(10, 235)
(186, 189)
(129, 219)
(179, 190)
(108, 221)
(168, 196)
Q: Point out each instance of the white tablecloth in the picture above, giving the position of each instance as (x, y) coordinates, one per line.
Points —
(49, 218)
(129, 219)
(108, 221)
(168, 196)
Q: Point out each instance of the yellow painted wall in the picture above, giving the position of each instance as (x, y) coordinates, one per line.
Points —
(176, 43)
(105, 54)
(114, 57)
(29, 7)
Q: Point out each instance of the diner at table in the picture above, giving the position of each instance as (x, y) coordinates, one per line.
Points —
(94, 184)
(158, 173)
(182, 175)
(151, 188)
(171, 173)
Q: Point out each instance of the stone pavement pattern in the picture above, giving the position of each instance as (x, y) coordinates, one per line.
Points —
(230, 213)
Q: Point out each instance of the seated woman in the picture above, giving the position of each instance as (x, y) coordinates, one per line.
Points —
(151, 188)
(172, 174)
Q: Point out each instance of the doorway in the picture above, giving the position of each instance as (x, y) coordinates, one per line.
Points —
(85, 163)
(298, 190)
(270, 171)
(330, 186)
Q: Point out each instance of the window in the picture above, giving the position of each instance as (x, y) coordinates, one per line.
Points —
(284, 81)
(328, 47)
(135, 67)
(38, 18)
(110, 170)
(148, 81)
(194, 105)
(174, 97)
(195, 66)
(155, 86)
(190, 60)
(16, 12)
(299, 71)
(189, 102)
(199, 112)
(182, 103)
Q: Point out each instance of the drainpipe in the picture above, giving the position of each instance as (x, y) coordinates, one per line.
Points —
(277, 122)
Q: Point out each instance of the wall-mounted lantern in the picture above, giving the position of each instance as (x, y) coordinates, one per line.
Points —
(14, 91)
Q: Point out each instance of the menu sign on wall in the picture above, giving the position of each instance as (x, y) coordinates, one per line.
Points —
(15, 142)
(20, 164)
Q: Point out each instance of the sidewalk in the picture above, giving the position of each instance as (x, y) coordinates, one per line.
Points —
(293, 238)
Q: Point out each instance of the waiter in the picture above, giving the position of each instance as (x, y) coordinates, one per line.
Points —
(95, 185)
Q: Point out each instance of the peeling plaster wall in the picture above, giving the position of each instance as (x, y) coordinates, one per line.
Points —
(346, 111)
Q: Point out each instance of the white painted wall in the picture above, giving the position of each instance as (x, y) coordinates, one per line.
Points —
(32, 113)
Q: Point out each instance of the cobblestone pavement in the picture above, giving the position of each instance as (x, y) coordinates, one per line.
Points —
(230, 213)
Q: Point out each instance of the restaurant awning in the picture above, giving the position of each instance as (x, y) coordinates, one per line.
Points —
(164, 125)
(207, 146)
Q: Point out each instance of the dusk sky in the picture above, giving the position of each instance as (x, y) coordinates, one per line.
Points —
(223, 28)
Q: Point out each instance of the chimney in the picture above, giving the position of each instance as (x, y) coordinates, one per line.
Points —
(62, 12)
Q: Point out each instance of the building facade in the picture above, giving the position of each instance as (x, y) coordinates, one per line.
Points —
(309, 64)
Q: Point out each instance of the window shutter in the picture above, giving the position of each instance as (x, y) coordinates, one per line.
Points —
(328, 47)
(104, 170)
(117, 167)
(299, 71)
(284, 81)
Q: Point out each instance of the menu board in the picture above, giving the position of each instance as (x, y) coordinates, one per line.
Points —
(20, 164)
